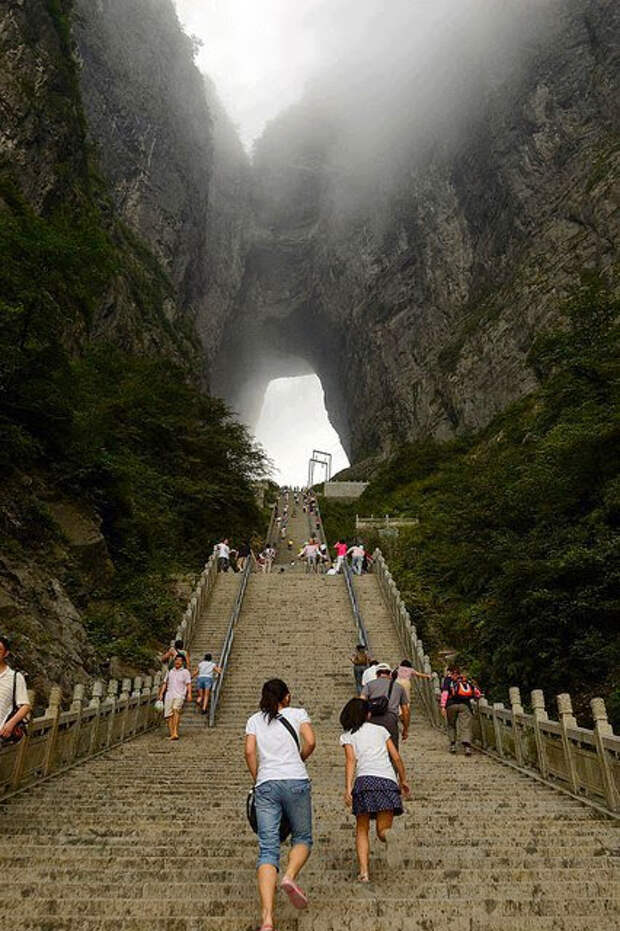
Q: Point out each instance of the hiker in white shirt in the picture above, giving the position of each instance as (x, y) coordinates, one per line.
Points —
(177, 687)
(222, 551)
(356, 552)
(371, 789)
(12, 710)
(205, 673)
(278, 741)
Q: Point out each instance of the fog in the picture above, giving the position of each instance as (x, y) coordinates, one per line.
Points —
(406, 64)
(293, 421)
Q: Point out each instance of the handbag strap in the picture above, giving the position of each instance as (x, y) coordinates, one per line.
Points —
(290, 729)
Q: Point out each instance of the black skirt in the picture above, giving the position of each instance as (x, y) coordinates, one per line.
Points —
(372, 794)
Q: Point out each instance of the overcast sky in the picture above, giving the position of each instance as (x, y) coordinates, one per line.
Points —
(292, 423)
(259, 53)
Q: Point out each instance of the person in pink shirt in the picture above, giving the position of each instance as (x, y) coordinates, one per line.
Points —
(341, 552)
(405, 674)
(177, 687)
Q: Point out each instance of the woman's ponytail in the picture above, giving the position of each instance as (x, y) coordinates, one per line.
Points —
(274, 692)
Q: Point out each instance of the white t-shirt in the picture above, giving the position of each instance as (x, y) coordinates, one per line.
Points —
(278, 756)
(206, 667)
(222, 550)
(356, 551)
(371, 754)
(6, 693)
(369, 675)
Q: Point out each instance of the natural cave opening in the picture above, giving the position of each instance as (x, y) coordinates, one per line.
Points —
(292, 422)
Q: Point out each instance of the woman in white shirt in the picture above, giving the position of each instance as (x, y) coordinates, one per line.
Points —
(205, 673)
(278, 741)
(375, 794)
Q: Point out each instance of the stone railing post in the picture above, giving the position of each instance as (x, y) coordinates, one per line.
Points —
(497, 727)
(146, 702)
(76, 708)
(52, 711)
(22, 750)
(482, 703)
(111, 700)
(516, 710)
(95, 702)
(567, 720)
(602, 728)
(539, 714)
(124, 700)
(137, 692)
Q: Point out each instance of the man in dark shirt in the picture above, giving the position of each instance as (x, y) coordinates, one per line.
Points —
(398, 700)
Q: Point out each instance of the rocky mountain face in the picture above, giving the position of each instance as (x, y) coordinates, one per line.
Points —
(416, 299)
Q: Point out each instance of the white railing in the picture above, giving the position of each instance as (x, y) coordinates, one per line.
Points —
(197, 602)
(584, 762)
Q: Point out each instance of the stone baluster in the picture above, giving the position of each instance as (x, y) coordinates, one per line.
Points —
(567, 722)
(539, 714)
(516, 710)
(147, 686)
(124, 702)
(76, 707)
(482, 717)
(602, 729)
(111, 703)
(136, 693)
(95, 702)
(497, 727)
(52, 711)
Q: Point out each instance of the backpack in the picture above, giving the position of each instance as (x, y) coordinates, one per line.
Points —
(20, 730)
(462, 689)
(380, 705)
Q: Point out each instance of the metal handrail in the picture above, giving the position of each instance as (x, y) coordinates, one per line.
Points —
(362, 633)
(228, 641)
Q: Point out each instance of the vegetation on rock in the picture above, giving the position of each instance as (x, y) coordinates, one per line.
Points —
(515, 561)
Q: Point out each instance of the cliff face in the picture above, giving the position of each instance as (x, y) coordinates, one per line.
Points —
(417, 300)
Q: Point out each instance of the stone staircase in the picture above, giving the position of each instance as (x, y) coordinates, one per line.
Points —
(152, 835)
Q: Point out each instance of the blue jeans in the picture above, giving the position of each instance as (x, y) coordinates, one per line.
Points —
(357, 563)
(274, 798)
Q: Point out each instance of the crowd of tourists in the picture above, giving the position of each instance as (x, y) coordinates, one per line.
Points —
(280, 738)
(176, 689)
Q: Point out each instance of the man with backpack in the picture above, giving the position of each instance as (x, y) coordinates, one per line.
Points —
(457, 694)
(385, 699)
(14, 701)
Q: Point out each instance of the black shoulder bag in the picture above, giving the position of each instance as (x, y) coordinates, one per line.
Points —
(250, 804)
(20, 730)
(380, 705)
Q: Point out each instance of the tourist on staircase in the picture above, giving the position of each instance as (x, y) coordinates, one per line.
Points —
(310, 552)
(205, 673)
(371, 790)
(341, 554)
(356, 552)
(457, 694)
(14, 701)
(171, 654)
(222, 552)
(279, 739)
(175, 690)
(361, 662)
(405, 673)
(244, 552)
(370, 674)
(386, 699)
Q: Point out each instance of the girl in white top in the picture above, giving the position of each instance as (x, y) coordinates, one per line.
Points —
(278, 741)
(375, 793)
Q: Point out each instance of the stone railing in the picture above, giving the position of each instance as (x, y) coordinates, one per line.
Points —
(59, 739)
(413, 647)
(197, 601)
(582, 761)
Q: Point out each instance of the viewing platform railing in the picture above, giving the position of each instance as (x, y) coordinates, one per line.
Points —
(584, 762)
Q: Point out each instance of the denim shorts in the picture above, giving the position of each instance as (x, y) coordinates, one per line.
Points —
(205, 682)
(274, 798)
